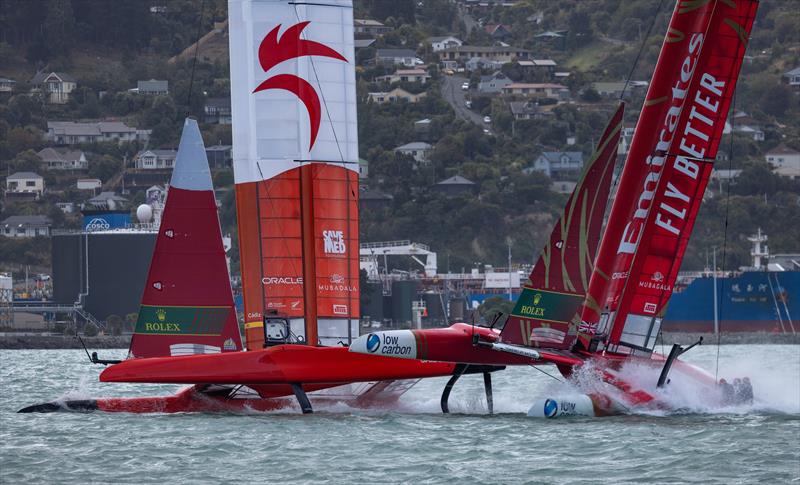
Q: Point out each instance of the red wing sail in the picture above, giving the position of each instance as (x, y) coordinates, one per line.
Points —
(544, 311)
(187, 306)
(654, 133)
(299, 252)
(682, 182)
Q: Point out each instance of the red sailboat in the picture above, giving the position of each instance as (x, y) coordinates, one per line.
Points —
(611, 324)
(296, 174)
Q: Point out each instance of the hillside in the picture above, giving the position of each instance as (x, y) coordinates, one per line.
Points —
(588, 42)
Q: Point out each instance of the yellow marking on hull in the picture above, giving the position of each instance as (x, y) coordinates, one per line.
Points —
(255, 324)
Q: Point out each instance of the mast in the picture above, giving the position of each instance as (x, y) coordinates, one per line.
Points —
(296, 166)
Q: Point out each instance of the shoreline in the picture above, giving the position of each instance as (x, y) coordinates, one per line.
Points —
(35, 341)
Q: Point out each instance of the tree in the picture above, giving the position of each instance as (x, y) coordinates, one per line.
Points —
(494, 305)
(90, 329)
(114, 325)
(27, 161)
(59, 27)
(104, 168)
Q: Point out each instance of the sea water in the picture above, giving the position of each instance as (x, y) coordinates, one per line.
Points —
(412, 442)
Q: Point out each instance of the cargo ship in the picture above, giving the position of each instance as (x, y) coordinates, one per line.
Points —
(764, 297)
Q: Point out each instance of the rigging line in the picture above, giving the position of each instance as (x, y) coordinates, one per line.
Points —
(547, 373)
(641, 49)
(194, 59)
(720, 299)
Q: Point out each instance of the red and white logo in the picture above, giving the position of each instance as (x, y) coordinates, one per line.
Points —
(274, 51)
(340, 309)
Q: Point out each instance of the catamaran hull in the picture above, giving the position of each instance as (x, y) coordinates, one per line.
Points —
(283, 364)
(196, 399)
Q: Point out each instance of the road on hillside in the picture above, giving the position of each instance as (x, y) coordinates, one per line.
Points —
(453, 94)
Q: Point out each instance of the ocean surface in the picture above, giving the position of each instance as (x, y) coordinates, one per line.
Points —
(412, 443)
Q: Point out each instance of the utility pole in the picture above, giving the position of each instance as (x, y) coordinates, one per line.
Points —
(716, 312)
(508, 241)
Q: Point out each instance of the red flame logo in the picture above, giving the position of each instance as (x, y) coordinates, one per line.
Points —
(273, 51)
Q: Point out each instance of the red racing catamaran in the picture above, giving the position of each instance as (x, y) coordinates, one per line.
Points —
(613, 320)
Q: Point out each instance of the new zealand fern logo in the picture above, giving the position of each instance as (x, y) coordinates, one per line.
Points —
(161, 314)
(273, 51)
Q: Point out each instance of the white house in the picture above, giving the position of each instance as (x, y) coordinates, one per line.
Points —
(61, 159)
(25, 183)
(417, 149)
(784, 160)
(155, 159)
(793, 77)
(406, 75)
(557, 165)
(445, 42)
(25, 226)
(54, 86)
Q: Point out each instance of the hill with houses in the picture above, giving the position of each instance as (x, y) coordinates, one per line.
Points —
(475, 117)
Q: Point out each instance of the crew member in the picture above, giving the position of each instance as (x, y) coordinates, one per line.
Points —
(727, 392)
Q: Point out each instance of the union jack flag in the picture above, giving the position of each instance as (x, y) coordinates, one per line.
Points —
(587, 327)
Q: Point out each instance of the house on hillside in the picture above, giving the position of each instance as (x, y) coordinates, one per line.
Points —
(374, 200)
(501, 54)
(417, 149)
(527, 110)
(72, 133)
(454, 186)
(445, 42)
(25, 184)
(217, 111)
(396, 94)
(402, 57)
(478, 63)
(558, 165)
(493, 83)
(371, 27)
(406, 75)
(55, 87)
(108, 201)
(547, 65)
(155, 159)
(363, 43)
(784, 160)
(744, 124)
(498, 31)
(793, 77)
(26, 226)
(219, 156)
(63, 159)
(538, 90)
(7, 85)
(153, 87)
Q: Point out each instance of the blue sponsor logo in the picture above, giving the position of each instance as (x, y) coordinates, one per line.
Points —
(550, 408)
(373, 343)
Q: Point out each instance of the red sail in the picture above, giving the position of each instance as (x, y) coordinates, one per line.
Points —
(682, 182)
(299, 252)
(187, 306)
(654, 131)
(546, 312)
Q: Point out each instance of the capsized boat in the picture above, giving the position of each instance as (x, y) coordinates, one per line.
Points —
(296, 174)
(596, 330)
